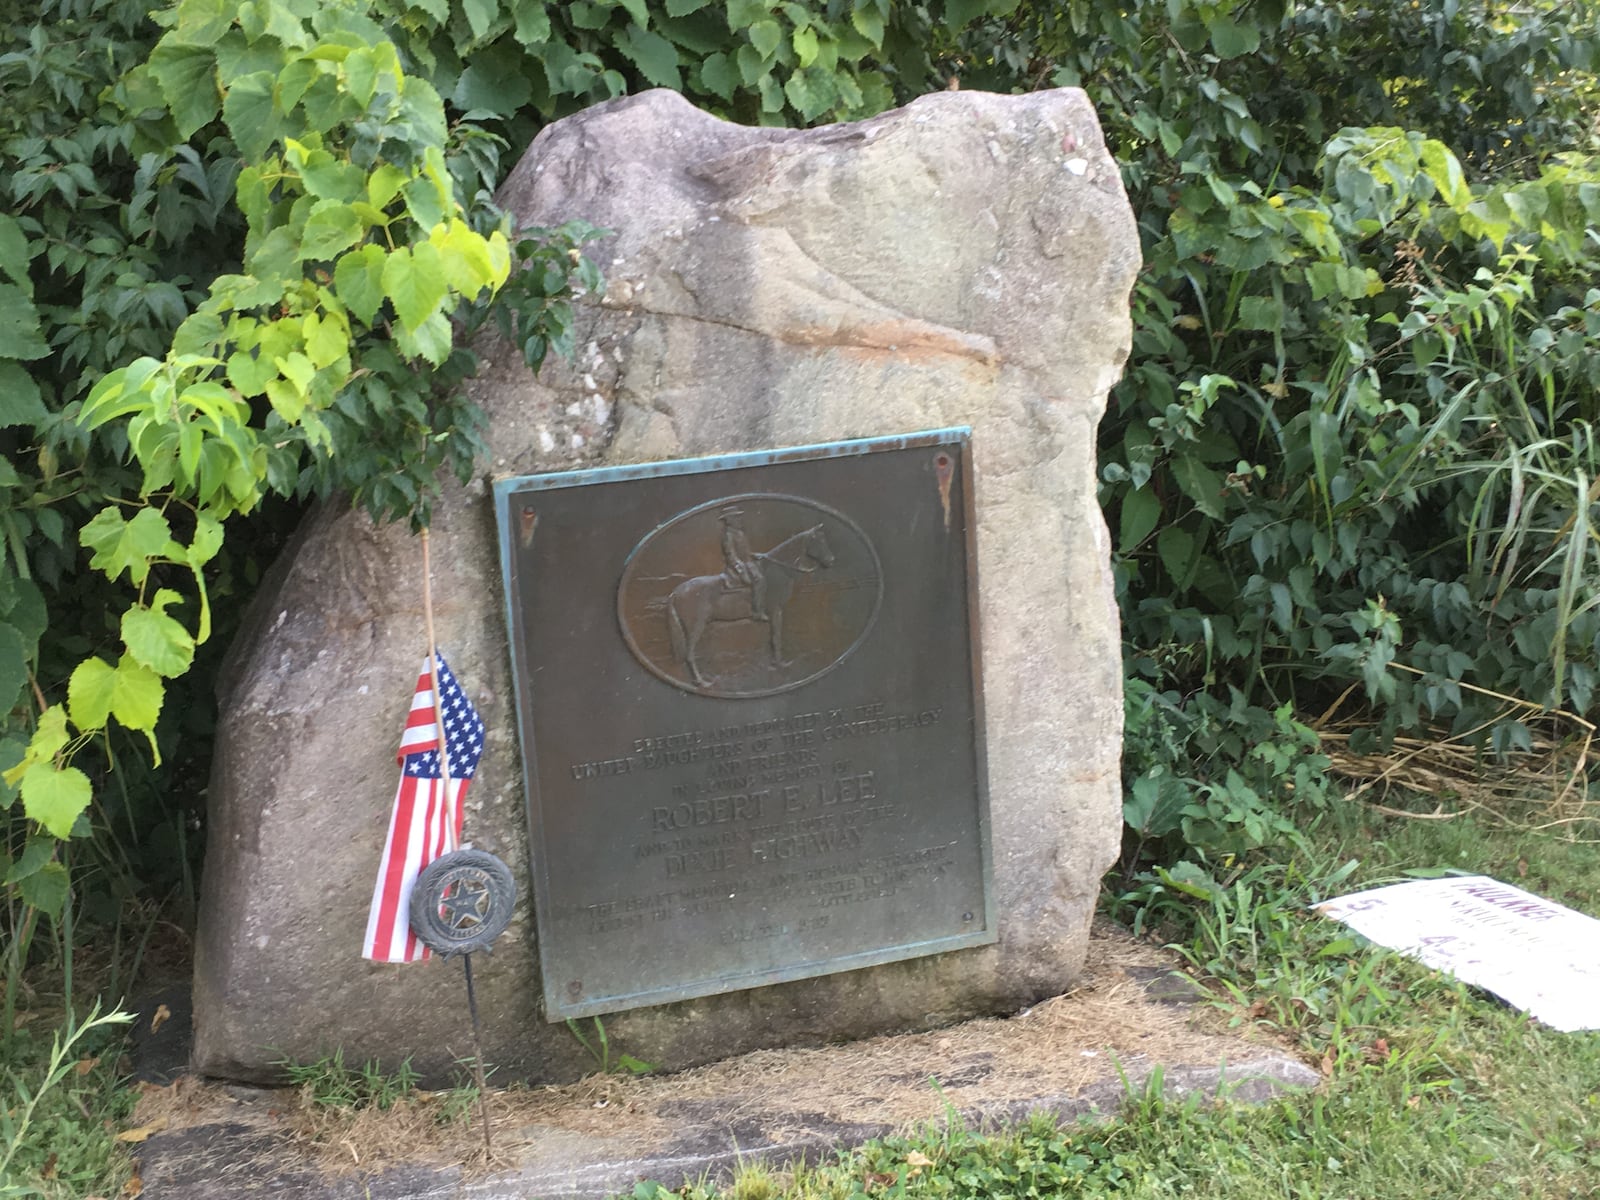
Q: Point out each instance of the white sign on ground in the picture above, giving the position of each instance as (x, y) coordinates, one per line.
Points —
(1536, 955)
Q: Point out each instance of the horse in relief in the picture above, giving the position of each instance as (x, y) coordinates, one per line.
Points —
(699, 602)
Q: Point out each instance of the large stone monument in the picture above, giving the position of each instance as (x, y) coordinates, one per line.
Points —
(965, 261)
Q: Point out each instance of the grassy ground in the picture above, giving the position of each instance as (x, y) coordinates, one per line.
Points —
(1431, 1089)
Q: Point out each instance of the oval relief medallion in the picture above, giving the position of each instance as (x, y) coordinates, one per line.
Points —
(749, 595)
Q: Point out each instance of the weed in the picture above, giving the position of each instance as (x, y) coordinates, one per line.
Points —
(600, 1050)
(329, 1083)
(46, 1148)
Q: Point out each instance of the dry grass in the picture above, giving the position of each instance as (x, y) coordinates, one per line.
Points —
(1057, 1048)
(1542, 789)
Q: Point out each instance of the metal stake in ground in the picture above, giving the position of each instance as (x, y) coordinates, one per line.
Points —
(462, 902)
(477, 1055)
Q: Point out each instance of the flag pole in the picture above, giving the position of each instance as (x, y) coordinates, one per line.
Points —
(433, 661)
(444, 771)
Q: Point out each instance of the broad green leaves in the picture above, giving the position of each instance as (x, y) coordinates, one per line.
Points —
(356, 247)
(155, 640)
(130, 691)
(55, 796)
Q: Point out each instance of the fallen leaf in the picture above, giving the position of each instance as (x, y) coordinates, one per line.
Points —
(132, 1188)
(160, 1017)
(1326, 1065)
(143, 1131)
(85, 1065)
(48, 1171)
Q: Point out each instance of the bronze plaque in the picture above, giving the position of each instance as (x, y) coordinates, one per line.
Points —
(750, 721)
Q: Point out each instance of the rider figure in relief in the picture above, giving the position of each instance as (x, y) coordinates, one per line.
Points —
(743, 570)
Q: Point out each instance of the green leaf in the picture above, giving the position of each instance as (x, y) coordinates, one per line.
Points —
(202, 22)
(156, 640)
(424, 202)
(868, 22)
(19, 326)
(248, 110)
(765, 36)
(331, 229)
(14, 253)
(960, 13)
(46, 889)
(1179, 552)
(358, 281)
(656, 58)
(1444, 170)
(431, 340)
(497, 80)
(1260, 312)
(480, 14)
(330, 178)
(20, 402)
(38, 852)
(802, 92)
(682, 8)
(25, 611)
(207, 540)
(13, 666)
(805, 45)
(1190, 879)
(250, 372)
(130, 546)
(326, 340)
(744, 13)
(1141, 509)
(1200, 484)
(12, 751)
(55, 797)
(187, 76)
(718, 76)
(1231, 39)
(533, 22)
(414, 281)
(89, 693)
(136, 696)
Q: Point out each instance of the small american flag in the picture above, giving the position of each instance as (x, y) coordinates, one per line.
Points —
(427, 810)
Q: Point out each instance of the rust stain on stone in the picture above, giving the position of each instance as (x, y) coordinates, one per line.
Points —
(911, 338)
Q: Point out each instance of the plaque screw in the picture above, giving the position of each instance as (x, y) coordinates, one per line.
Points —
(966, 916)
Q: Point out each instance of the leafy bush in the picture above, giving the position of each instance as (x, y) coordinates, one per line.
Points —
(1357, 426)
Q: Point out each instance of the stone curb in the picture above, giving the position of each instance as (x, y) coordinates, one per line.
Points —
(235, 1159)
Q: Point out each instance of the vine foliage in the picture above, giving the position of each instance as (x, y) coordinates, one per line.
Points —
(361, 265)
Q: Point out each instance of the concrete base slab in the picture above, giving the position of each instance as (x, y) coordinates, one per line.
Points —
(1073, 1056)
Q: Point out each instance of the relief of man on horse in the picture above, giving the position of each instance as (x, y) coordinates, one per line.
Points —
(752, 587)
